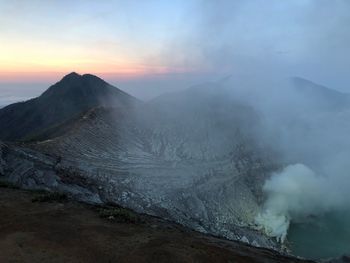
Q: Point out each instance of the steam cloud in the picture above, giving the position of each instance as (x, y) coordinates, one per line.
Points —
(295, 191)
(294, 194)
(308, 125)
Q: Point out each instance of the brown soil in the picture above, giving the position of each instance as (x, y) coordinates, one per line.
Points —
(74, 232)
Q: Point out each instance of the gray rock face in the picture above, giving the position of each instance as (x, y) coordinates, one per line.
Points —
(33, 170)
(205, 180)
(189, 207)
(193, 161)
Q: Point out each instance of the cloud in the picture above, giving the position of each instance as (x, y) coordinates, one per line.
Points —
(281, 38)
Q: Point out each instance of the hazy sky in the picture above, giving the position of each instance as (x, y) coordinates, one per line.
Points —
(150, 47)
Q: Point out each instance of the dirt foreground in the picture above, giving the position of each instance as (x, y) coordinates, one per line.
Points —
(69, 231)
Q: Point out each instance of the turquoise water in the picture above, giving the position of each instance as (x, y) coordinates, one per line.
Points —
(322, 237)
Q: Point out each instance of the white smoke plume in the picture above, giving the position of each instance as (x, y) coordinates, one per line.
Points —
(296, 193)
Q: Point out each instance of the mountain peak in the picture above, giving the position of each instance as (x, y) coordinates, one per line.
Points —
(308, 86)
(320, 95)
(74, 79)
(90, 76)
(301, 83)
(66, 99)
(74, 84)
(72, 75)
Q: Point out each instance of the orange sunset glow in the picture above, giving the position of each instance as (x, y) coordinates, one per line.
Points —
(94, 38)
(39, 63)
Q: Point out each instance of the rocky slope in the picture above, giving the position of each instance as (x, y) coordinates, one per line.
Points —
(192, 158)
(73, 232)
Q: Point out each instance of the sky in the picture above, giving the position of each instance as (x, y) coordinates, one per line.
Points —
(157, 46)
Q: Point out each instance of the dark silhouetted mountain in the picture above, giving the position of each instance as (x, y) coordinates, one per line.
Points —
(66, 99)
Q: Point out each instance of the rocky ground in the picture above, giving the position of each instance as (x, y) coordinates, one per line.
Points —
(41, 227)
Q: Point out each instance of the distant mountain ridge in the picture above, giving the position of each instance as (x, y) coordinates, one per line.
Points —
(320, 95)
(66, 99)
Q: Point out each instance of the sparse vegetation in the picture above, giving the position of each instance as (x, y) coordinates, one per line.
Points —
(44, 196)
(119, 214)
(5, 184)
